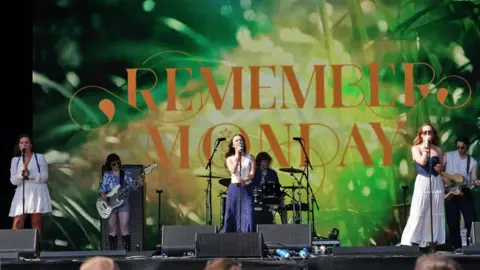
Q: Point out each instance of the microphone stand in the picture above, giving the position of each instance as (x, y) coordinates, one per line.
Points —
(159, 224)
(432, 244)
(404, 187)
(241, 192)
(208, 191)
(306, 173)
(24, 177)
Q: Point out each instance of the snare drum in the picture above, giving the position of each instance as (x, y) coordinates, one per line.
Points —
(271, 194)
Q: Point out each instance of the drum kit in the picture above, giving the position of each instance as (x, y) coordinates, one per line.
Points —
(270, 198)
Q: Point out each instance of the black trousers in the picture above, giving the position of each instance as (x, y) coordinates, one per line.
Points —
(453, 207)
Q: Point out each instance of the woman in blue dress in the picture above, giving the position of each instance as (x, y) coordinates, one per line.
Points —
(112, 177)
(427, 156)
(239, 205)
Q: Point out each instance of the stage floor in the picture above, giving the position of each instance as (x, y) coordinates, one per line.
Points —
(468, 262)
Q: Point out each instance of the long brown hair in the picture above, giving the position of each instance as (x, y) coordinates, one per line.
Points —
(16, 149)
(231, 150)
(418, 139)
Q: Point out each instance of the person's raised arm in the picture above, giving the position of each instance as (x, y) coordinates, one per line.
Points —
(419, 157)
(232, 165)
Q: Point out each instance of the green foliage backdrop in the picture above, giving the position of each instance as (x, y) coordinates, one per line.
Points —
(77, 43)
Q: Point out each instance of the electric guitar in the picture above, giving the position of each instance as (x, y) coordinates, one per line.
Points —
(456, 190)
(114, 198)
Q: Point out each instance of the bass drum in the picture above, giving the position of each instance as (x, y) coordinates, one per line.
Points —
(271, 193)
(257, 195)
(263, 215)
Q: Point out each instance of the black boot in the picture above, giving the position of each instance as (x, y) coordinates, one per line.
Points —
(113, 242)
(126, 242)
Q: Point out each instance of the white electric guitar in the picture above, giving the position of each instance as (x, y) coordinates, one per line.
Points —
(114, 198)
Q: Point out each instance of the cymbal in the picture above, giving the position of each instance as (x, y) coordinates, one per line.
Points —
(208, 176)
(291, 170)
(293, 187)
(224, 182)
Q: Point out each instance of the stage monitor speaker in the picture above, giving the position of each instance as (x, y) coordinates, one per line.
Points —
(229, 245)
(24, 242)
(471, 250)
(9, 257)
(380, 250)
(286, 236)
(475, 234)
(263, 214)
(180, 240)
(137, 216)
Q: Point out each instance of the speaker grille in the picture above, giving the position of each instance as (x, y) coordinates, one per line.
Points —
(24, 242)
(289, 236)
(180, 240)
(137, 215)
(236, 245)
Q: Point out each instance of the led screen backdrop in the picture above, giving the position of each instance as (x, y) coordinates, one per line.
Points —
(160, 81)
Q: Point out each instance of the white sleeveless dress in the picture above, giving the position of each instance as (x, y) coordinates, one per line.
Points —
(37, 196)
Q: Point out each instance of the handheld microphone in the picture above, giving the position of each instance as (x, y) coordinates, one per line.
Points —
(221, 139)
(23, 151)
(297, 139)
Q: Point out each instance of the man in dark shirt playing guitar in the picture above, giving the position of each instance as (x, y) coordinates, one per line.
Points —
(460, 199)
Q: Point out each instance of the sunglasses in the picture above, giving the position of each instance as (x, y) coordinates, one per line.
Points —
(114, 164)
(427, 132)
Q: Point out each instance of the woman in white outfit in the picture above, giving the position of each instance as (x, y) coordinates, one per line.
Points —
(34, 169)
(427, 157)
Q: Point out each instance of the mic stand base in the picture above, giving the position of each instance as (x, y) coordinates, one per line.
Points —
(432, 247)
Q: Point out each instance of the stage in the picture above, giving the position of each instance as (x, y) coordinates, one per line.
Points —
(392, 262)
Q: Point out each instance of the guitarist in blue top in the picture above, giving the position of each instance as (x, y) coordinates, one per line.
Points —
(114, 176)
(459, 162)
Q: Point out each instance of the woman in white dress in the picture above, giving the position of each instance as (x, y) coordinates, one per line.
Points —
(417, 232)
(32, 169)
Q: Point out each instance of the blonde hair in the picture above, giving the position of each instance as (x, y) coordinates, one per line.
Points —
(223, 264)
(99, 263)
(436, 262)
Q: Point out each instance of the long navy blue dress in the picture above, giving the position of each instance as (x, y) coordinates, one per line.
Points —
(239, 205)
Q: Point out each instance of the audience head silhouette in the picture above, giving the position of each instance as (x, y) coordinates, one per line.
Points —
(224, 264)
(436, 262)
(99, 263)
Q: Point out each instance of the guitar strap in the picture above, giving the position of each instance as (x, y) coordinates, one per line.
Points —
(122, 178)
(468, 168)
